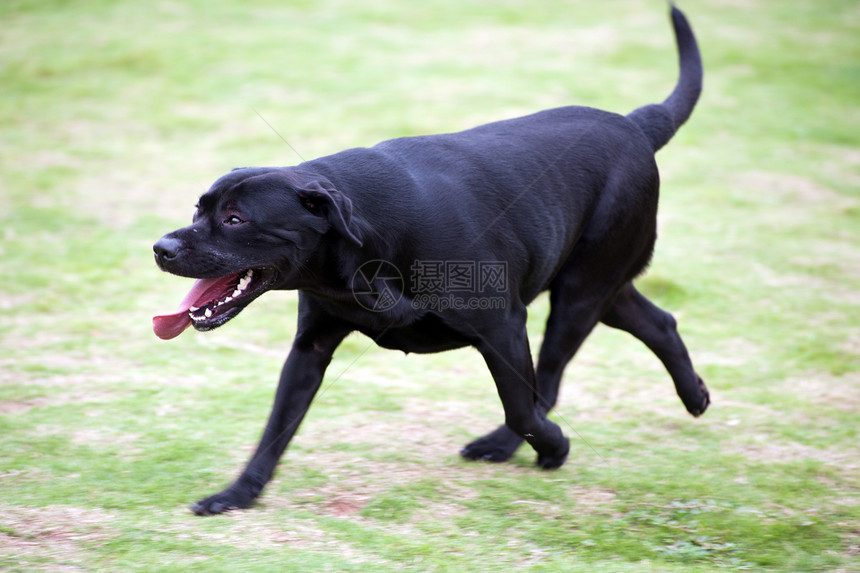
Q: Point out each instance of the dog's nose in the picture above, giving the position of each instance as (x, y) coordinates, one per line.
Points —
(166, 249)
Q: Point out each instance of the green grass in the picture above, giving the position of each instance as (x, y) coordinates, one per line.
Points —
(116, 115)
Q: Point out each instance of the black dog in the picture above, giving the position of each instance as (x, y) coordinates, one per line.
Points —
(431, 243)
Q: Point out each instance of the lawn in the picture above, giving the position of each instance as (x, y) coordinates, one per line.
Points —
(115, 116)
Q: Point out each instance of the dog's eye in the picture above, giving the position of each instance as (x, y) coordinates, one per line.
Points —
(233, 220)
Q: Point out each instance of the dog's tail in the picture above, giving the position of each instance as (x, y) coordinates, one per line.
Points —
(661, 121)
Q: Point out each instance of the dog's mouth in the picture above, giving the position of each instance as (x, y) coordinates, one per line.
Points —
(212, 302)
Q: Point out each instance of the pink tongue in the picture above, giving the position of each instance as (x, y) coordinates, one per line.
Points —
(167, 326)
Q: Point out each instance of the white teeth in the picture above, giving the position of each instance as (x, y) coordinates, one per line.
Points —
(225, 301)
(240, 288)
(243, 283)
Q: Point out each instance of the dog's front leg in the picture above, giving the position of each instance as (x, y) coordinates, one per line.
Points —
(506, 352)
(300, 379)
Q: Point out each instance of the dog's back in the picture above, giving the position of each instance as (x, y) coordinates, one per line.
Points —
(531, 186)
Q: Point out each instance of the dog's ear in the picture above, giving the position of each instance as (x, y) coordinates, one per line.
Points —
(322, 199)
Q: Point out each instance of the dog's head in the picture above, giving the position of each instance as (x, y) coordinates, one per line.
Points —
(254, 230)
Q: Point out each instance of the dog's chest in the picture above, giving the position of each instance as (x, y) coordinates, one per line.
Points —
(427, 335)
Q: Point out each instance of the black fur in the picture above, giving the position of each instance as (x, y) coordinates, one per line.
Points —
(564, 200)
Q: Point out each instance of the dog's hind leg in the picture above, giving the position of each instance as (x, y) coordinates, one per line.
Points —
(633, 313)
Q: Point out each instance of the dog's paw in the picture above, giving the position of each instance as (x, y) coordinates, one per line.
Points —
(227, 500)
(704, 401)
(497, 446)
(556, 459)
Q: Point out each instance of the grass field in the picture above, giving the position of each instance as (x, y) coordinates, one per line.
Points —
(115, 116)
